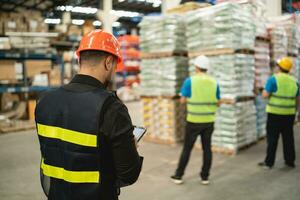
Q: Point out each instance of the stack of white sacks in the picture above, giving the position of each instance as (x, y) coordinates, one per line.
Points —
(162, 34)
(222, 26)
(279, 43)
(163, 76)
(228, 26)
(235, 125)
(261, 114)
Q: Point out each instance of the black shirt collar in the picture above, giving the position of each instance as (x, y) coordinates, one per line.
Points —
(87, 80)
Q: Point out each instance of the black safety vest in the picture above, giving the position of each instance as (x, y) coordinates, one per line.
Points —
(68, 125)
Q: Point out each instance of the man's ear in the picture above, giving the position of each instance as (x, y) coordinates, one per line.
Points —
(108, 63)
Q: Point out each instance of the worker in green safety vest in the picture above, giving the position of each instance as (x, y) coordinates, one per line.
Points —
(282, 91)
(201, 93)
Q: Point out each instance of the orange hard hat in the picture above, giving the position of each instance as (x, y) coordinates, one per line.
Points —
(100, 40)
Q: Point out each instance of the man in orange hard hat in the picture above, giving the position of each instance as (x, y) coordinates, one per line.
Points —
(85, 132)
(283, 93)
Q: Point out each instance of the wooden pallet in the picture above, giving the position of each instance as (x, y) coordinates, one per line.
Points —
(160, 96)
(263, 39)
(292, 55)
(221, 51)
(186, 7)
(163, 54)
(227, 151)
(237, 99)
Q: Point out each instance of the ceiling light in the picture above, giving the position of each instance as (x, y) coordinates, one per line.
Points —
(78, 21)
(77, 9)
(52, 21)
(123, 13)
(97, 23)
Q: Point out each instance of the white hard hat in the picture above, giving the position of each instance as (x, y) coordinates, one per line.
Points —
(202, 62)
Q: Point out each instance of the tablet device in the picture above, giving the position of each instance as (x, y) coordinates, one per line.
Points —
(139, 132)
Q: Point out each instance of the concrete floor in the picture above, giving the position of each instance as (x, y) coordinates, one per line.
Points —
(233, 177)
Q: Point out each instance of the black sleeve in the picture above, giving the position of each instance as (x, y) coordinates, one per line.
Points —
(118, 128)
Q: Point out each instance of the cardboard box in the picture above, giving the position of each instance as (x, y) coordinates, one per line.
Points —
(34, 67)
(74, 30)
(55, 77)
(7, 69)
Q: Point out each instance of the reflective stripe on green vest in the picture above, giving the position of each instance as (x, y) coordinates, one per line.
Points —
(283, 101)
(202, 105)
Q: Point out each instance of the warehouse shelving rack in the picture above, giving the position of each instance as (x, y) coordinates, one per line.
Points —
(21, 55)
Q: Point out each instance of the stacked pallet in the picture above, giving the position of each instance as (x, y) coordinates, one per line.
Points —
(293, 47)
(279, 44)
(261, 116)
(163, 70)
(186, 7)
(128, 72)
(163, 76)
(235, 126)
(164, 119)
(222, 26)
(167, 35)
(262, 62)
(226, 34)
(234, 73)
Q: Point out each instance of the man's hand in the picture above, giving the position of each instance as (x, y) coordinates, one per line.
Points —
(136, 143)
(265, 94)
(182, 100)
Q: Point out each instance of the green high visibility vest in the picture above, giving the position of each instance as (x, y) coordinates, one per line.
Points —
(283, 101)
(202, 105)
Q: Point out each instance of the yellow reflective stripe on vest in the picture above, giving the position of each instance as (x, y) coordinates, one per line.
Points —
(201, 103)
(70, 176)
(282, 97)
(66, 135)
(201, 114)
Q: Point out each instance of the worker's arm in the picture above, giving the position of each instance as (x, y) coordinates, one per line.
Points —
(218, 95)
(118, 130)
(270, 87)
(186, 90)
(298, 104)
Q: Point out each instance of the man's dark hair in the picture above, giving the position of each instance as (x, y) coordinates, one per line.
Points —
(93, 57)
(283, 70)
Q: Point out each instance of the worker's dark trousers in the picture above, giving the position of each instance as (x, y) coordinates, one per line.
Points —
(276, 125)
(205, 130)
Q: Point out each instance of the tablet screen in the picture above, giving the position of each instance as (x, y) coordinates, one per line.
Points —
(139, 132)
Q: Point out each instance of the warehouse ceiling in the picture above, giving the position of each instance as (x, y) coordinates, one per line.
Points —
(49, 7)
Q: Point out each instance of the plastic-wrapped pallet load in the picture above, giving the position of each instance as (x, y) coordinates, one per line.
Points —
(261, 115)
(235, 126)
(279, 43)
(164, 119)
(163, 76)
(222, 26)
(293, 39)
(234, 73)
(162, 34)
(262, 62)
(163, 70)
